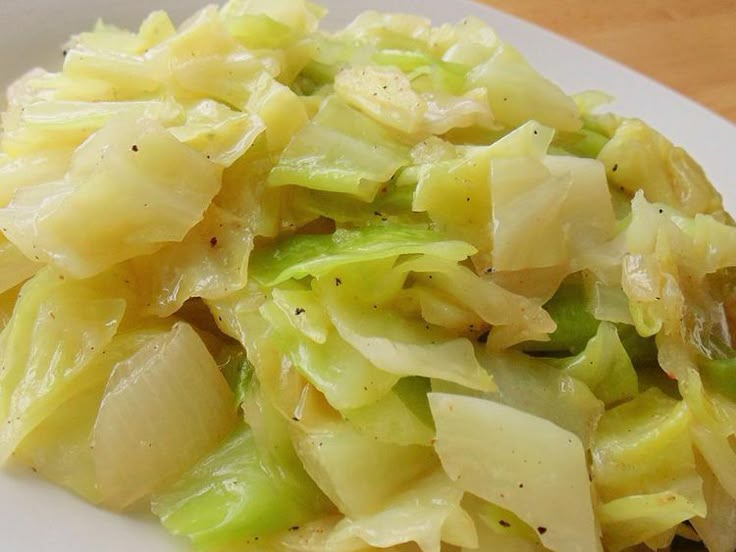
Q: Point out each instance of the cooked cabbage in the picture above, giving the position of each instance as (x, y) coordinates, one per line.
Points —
(387, 288)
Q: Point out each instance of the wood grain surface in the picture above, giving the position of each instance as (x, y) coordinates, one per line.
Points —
(688, 45)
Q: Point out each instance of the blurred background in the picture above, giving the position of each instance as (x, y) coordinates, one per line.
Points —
(687, 45)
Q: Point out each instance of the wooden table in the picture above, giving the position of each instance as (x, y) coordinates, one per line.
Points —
(688, 45)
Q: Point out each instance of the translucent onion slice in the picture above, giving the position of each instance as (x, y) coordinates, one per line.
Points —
(163, 409)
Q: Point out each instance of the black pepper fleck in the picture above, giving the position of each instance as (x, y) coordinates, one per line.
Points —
(299, 311)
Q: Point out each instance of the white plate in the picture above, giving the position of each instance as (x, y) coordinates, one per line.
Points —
(35, 516)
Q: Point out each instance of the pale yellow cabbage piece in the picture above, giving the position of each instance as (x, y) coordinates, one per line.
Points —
(220, 133)
(638, 518)
(402, 347)
(638, 157)
(587, 212)
(419, 514)
(157, 26)
(500, 529)
(712, 428)
(548, 211)
(58, 329)
(671, 276)
(469, 42)
(528, 222)
(530, 385)
(65, 124)
(7, 305)
(270, 100)
(644, 469)
(60, 447)
(312, 320)
(203, 61)
(518, 93)
(299, 15)
(308, 537)
(342, 462)
(461, 209)
(653, 427)
(131, 198)
(210, 262)
(118, 75)
(372, 26)
(15, 267)
(31, 170)
(345, 377)
(213, 258)
(514, 318)
(488, 540)
(390, 419)
(386, 95)
(340, 150)
(522, 463)
(718, 527)
(441, 309)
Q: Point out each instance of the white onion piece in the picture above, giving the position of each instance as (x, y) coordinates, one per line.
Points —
(164, 407)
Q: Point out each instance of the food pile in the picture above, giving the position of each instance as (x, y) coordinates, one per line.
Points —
(381, 288)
